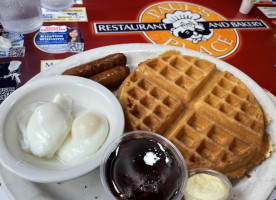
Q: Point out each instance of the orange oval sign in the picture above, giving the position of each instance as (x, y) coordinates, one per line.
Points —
(189, 28)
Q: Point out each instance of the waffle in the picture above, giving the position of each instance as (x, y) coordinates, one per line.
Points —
(211, 116)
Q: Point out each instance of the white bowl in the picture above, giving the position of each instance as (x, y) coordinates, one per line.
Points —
(84, 92)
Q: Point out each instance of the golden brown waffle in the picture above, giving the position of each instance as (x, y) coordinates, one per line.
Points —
(211, 116)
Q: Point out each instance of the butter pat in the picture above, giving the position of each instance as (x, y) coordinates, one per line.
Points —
(270, 149)
(206, 187)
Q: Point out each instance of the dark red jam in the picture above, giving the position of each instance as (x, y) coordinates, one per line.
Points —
(143, 169)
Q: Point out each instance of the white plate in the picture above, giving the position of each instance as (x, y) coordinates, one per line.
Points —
(258, 187)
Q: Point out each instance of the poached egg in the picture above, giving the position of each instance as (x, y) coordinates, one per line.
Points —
(61, 128)
(88, 133)
(45, 125)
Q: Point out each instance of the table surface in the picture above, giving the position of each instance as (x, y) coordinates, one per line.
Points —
(255, 52)
(247, 42)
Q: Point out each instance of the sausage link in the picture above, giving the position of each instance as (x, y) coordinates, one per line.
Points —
(112, 77)
(97, 66)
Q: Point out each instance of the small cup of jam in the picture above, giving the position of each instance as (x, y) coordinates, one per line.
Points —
(142, 165)
(207, 184)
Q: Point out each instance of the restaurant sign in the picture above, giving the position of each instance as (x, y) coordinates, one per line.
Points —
(185, 25)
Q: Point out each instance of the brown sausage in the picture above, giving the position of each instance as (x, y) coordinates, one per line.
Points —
(97, 66)
(111, 77)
